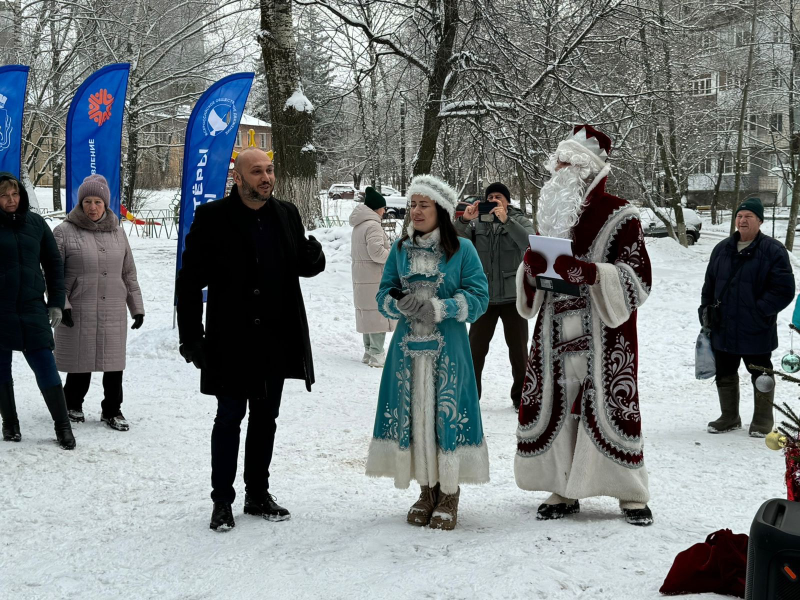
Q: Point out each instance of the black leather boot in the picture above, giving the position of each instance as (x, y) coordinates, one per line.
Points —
(57, 405)
(8, 410)
(763, 420)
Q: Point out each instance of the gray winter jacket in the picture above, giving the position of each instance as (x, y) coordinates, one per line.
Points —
(100, 278)
(500, 247)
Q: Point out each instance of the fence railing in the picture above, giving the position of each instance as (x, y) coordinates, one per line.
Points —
(152, 224)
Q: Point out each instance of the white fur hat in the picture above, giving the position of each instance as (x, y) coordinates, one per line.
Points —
(585, 150)
(435, 189)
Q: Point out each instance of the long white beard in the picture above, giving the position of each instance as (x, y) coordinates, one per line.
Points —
(561, 201)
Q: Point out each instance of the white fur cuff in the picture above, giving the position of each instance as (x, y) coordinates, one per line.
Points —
(438, 310)
(463, 308)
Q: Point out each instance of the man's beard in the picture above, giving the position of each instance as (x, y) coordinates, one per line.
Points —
(248, 192)
(560, 202)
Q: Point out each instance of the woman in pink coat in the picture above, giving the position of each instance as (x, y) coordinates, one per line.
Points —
(369, 248)
(100, 278)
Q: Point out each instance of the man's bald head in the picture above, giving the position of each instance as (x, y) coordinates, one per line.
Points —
(254, 175)
(246, 156)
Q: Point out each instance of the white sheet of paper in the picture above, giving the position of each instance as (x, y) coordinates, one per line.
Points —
(551, 248)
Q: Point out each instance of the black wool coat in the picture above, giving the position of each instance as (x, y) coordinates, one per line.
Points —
(762, 287)
(256, 326)
(26, 246)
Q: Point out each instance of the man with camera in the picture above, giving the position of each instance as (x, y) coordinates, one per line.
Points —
(749, 280)
(500, 233)
(250, 250)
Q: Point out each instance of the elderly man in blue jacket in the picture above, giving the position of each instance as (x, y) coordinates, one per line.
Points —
(749, 280)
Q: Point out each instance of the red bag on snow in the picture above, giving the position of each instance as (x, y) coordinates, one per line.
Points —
(718, 565)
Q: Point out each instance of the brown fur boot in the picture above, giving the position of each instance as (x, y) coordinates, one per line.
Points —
(420, 513)
(445, 515)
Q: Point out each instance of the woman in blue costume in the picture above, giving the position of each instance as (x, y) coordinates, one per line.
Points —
(428, 423)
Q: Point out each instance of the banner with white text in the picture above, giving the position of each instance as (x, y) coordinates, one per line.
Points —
(94, 132)
(210, 138)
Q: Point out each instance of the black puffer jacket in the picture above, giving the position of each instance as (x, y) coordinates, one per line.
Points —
(26, 246)
(762, 287)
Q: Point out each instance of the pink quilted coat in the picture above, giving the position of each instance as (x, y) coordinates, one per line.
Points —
(100, 278)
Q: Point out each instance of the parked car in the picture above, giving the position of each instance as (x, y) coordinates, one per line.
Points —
(654, 227)
(396, 206)
(339, 191)
(385, 190)
(464, 203)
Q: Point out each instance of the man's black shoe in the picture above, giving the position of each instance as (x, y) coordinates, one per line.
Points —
(222, 517)
(548, 512)
(263, 505)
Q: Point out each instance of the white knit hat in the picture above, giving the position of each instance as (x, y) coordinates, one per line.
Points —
(435, 189)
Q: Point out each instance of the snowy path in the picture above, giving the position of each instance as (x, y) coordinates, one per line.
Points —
(126, 514)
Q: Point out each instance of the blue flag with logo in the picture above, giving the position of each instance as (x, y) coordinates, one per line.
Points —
(94, 132)
(210, 138)
(13, 90)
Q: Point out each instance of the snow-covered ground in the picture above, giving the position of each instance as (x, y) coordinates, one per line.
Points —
(126, 514)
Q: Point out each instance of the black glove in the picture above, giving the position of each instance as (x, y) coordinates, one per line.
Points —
(313, 249)
(66, 318)
(137, 321)
(195, 353)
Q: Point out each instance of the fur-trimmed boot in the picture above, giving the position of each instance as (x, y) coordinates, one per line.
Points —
(763, 420)
(445, 515)
(420, 513)
(57, 405)
(728, 390)
(8, 411)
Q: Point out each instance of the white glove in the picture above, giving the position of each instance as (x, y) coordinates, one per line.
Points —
(408, 304)
(55, 316)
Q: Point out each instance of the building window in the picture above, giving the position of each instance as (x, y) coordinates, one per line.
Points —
(708, 40)
(778, 34)
(752, 122)
(776, 79)
(239, 139)
(730, 163)
(734, 80)
(263, 140)
(702, 87)
(741, 35)
(776, 122)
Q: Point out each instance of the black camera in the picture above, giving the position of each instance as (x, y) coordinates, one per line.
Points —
(485, 208)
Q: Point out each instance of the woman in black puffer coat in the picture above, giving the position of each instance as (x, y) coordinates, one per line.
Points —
(26, 247)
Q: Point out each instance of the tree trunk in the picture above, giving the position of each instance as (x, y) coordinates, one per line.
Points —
(717, 185)
(131, 158)
(431, 123)
(742, 114)
(57, 185)
(292, 129)
(793, 158)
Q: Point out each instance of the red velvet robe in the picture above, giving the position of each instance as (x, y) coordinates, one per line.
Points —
(579, 432)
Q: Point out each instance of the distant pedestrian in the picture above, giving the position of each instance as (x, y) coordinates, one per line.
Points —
(501, 241)
(26, 247)
(100, 277)
(369, 249)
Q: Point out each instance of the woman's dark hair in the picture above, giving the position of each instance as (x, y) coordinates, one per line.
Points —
(448, 238)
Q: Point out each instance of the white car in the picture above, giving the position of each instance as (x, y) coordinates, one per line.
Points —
(654, 227)
(342, 190)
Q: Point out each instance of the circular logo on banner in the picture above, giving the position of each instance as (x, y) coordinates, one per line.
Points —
(100, 104)
(219, 117)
